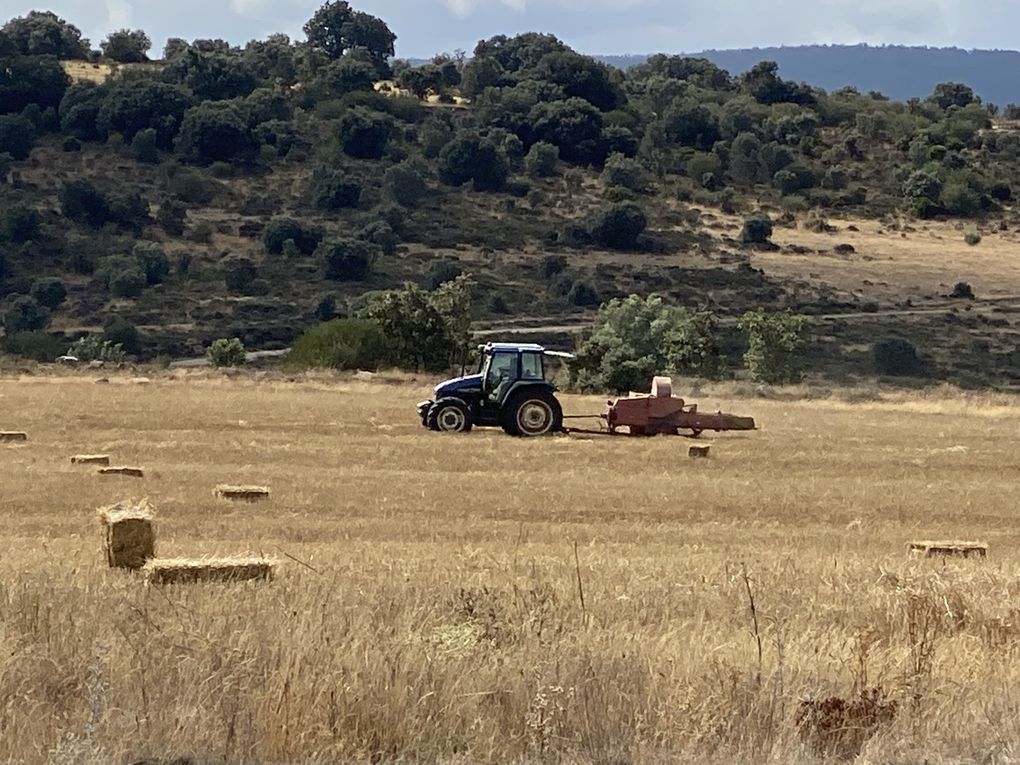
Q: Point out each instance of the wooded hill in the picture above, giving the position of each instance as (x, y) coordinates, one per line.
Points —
(256, 191)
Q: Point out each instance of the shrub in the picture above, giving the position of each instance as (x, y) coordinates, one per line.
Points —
(757, 230)
(326, 310)
(347, 260)
(121, 332)
(468, 157)
(619, 226)
(279, 230)
(623, 171)
(972, 237)
(552, 265)
(541, 160)
(239, 274)
(772, 340)
(36, 345)
(24, 314)
(127, 283)
(962, 291)
(49, 292)
(215, 131)
(405, 183)
(440, 272)
(19, 223)
(17, 136)
(364, 133)
(895, 357)
(226, 353)
(331, 190)
(172, 216)
(191, 186)
(83, 203)
(143, 146)
(583, 294)
(153, 262)
(95, 348)
(381, 234)
(341, 344)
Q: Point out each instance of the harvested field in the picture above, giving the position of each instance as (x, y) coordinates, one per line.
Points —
(429, 607)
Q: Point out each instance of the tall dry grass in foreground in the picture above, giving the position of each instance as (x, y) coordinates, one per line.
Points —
(438, 612)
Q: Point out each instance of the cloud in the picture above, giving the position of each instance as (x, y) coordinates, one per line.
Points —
(118, 14)
(518, 5)
(242, 7)
(462, 8)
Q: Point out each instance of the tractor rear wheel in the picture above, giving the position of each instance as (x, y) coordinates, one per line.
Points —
(450, 415)
(532, 413)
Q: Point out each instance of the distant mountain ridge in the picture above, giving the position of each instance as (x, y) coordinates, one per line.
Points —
(899, 72)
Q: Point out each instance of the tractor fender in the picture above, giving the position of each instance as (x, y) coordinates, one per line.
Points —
(520, 385)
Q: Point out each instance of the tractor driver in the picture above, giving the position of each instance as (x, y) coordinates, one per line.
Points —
(502, 371)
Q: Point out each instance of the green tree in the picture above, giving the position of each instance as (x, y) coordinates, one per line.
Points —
(43, 33)
(947, 94)
(541, 160)
(619, 226)
(122, 334)
(347, 260)
(153, 262)
(127, 46)
(624, 172)
(19, 223)
(404, 183)
(83, 203)
(24, 314)
(334, 190)
(469, 157)
(574, 126)
(635, 338)
(214, 132)
(95, 348)
(17, 136)
(426, 329)
(49, 291)
(689, 122)
(281, 230)
(211, 76)
(136, 105)
(896, 357)
(364, 133)
(757, 229)
(346, 75)
(773, 338)
(26, 80)
(336, 28)
(227, 353)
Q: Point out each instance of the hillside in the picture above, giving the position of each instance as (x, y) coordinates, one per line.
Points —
(258, 192)
(897, 71)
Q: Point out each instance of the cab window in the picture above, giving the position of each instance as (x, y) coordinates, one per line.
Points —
(502, 367)
(531, 366)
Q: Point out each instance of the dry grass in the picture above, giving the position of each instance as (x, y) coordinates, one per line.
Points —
(431, 606)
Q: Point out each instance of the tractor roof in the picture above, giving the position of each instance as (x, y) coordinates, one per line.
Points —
(515, 347)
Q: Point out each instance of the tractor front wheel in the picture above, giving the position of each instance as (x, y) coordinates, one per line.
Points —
(450, 416)
(533, 413)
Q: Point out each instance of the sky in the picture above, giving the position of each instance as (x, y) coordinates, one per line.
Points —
(425, 27)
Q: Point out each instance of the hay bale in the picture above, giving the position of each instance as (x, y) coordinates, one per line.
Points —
(242, 493)
(12, 436)
(957, 549)
(90, 459)
(129, 533)
(197, 570)
(698, 452)
(134, 472)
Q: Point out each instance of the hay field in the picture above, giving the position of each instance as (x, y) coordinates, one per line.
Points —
(435, 613)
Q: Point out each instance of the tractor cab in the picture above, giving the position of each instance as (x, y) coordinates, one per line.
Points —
(510, 390)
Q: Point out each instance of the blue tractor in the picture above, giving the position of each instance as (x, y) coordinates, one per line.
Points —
(511, 390)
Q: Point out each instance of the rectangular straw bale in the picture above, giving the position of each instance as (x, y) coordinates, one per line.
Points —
(134, 472)
(130, 535)
(930, 549)
(90, 459)
(245, 493)
(12, 436)
(197, 570)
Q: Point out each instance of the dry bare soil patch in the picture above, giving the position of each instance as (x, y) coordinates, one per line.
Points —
(429, 601)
